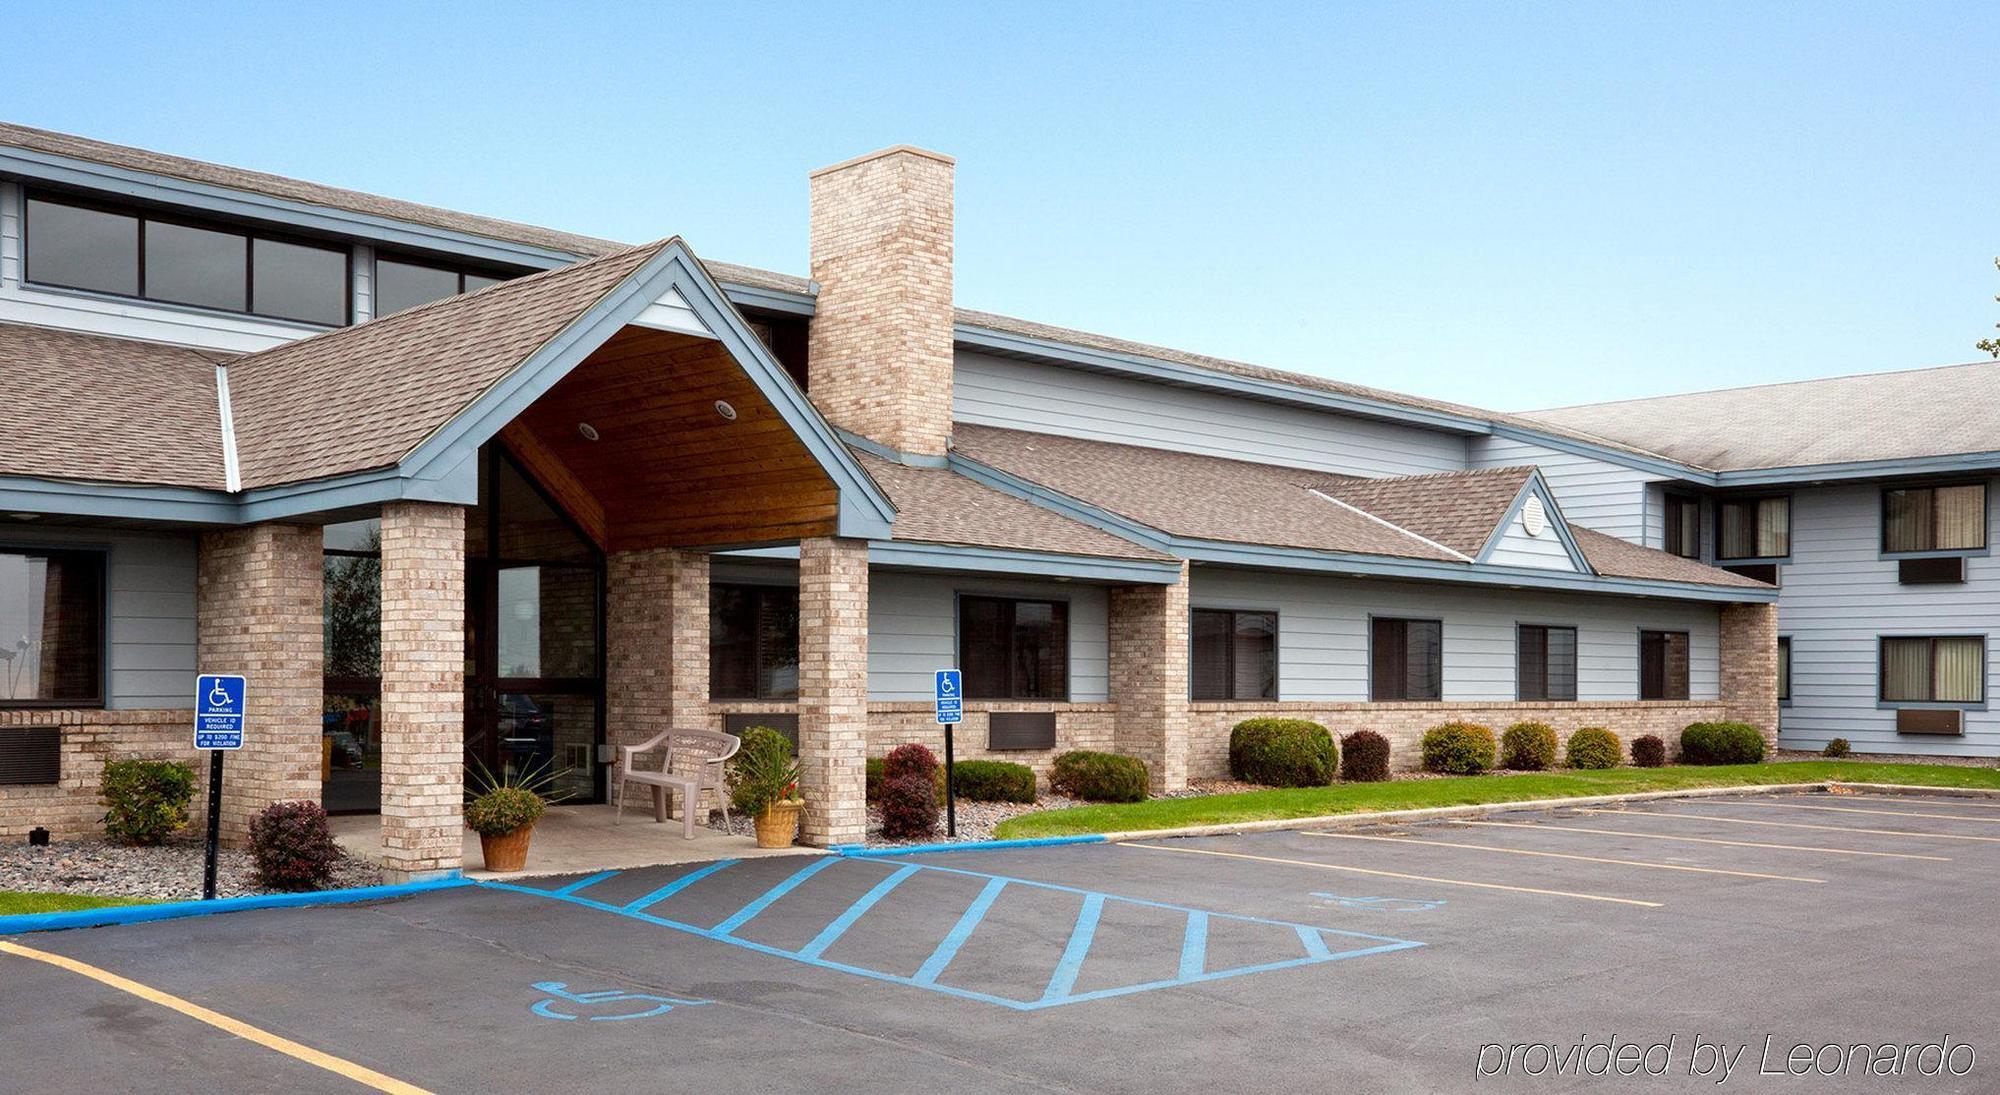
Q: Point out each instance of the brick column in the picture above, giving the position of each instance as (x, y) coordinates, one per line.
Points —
(833, 689)
(1149, 678)
(423, 688)
(1750, 666)
(257, 610)
(656, 643)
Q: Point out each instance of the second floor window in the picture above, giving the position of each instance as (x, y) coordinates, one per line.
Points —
(1683, 526)
(405, 283)
(74, 245)
(1663, 665)
(753, 642)
(1406, 659)
(1951, 518)
(1013, 649)
(1546, 662)
(1754, 528)
(1235, 655)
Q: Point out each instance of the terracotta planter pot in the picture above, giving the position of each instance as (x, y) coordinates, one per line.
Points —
(778, 825)
(508, 851)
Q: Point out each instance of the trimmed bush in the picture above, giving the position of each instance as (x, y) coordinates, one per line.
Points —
(1528, 747)
(1838, 747)
(877, 771)
(909, 760)
(1593, 747)
(1100, 777)
(909, 806)
(292, 847)
(993, 781)
(1648, 751)
(1721, 743)
(1282, 753)
(148, 799)
(1364, 757)
(1458, 749)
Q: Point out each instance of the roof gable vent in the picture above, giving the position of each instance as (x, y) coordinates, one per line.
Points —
(1534, 516)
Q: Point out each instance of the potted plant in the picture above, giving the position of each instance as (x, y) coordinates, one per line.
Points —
(503, 810)
(764, 783)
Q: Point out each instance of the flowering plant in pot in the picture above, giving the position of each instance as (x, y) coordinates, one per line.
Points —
(764, 783)
(504, 808)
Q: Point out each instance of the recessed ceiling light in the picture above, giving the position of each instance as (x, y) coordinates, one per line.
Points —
(727, 412)
(588, 431)
(24, 516)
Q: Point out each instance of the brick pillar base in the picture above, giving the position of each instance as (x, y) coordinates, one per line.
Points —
(1149, 678)
(1750, 666)
(833, 689)
(423, 689)
(258, 608)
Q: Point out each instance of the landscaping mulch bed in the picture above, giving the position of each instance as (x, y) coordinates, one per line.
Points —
(1888, 758)
(171, 871)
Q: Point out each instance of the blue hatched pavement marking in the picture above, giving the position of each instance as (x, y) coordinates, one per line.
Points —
(1061, 986)
(677, 885)
(591, 881)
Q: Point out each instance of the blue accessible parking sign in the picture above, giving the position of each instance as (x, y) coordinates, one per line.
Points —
(218, 711)
(950, 702)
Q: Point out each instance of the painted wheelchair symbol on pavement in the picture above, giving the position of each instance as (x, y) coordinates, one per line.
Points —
(1382, 904)
(559, 992)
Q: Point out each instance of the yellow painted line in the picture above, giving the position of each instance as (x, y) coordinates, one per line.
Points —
(1703, 840)
(1566, 855)
(1394, 874)
(364, 1076)
(1791, 824)
(1865, 810)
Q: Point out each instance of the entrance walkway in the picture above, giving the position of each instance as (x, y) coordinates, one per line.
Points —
(573, 839)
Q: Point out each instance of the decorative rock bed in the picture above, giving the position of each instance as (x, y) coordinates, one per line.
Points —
(169, 872)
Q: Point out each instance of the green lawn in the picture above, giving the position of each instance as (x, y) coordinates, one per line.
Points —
(1343, 798)
(14, 903)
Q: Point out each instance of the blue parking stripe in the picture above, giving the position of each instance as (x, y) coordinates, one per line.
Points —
(933, 967)
(854, 912)
(1079, 946)
(1315, 942)
(1194, 946)
(591, 881)
(677, 885)
(746, 913)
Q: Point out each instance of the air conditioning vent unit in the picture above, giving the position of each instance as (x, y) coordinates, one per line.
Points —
(1930, 572)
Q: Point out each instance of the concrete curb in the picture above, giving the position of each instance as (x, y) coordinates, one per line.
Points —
(135, 914)
(863, 851)
(1841, 786)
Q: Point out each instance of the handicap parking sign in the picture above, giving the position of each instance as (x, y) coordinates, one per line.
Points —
(950, 703)
(219, 711)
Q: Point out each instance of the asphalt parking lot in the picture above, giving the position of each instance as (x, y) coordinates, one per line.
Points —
(1517, 952)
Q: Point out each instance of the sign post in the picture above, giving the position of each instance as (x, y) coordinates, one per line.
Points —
(950, 709)
(218, 727)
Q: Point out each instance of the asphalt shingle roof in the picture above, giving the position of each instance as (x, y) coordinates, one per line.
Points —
(1459, 509)
(940, 506)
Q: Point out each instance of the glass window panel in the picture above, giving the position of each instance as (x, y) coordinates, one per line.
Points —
(400, 285)
(777, 643)
(351, 752)
(530, 528)
(363, 535)
(1532, 658)
(1738, 534)
(198, 266)
(1255, 650)
(352, 593)
(294, 281)
(519, 623)
(1906, 669)
(1041, 650)
(1961, 517)
(476, 282)
(1683, 527)
(1210, 677)
(1774, 528)
(1663, 665)
(1426, 660)
(51, 627)
(552, 731)
(1784, 668)
(1961, 670)
(547, 622)
(732, 642)
(82, 248)
(985, 626)
(1562, 663)
(1907, 521)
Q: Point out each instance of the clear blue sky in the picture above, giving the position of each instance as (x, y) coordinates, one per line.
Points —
(1507, 205)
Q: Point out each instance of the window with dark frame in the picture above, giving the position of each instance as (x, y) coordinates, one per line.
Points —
(51, 628)
(1013, 649)
(136, 253)
(1663, 665)
(1784, 669)
(753, 646)
(1234, 655)
(1406, 659)
(402, 283)
(1754, 528)
(1545, 660)
(1933, 669)
(1683, 526)
(1937, 518)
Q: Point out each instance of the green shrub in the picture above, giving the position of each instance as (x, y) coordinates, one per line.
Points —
(1648, 751)
(1100, 777)
(1528, 747)
(1283, 753)
(148, 799)
(1458, 749)
(763, 771)
(1364, 757)
(993, 781)
(877, 772)
(1721, 743)
(1838, 747)
(1593, 747)
(292, 847)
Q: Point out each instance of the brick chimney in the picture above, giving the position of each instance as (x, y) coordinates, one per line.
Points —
(880, 359)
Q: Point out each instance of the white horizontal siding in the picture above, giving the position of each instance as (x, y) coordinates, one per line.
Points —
(150, 620)
(1592, 493)
(1323, 633)
(1839, 597)
(996, 391)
